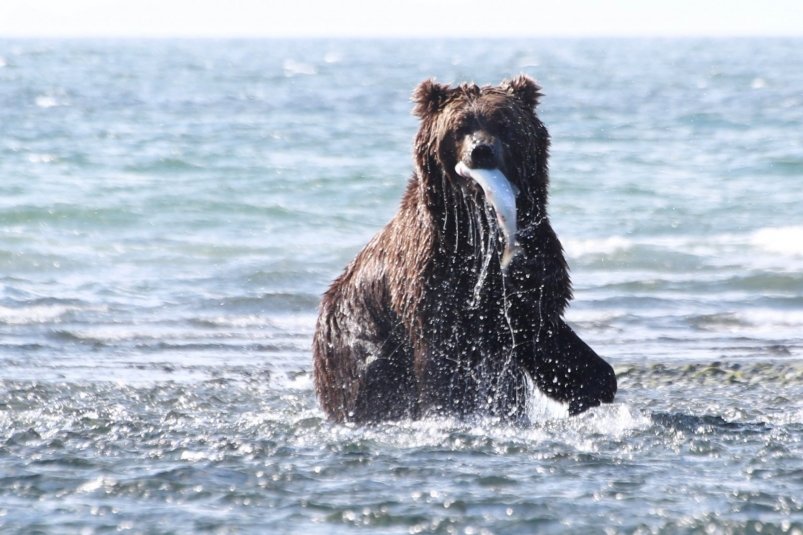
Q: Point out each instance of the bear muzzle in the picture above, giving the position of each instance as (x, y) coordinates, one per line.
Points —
(482, 150)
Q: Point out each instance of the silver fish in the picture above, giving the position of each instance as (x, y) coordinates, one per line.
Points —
(500, 194)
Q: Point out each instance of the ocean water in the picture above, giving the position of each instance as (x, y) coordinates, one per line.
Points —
(171, 211)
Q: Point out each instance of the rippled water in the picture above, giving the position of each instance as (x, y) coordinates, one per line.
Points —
(170, 212)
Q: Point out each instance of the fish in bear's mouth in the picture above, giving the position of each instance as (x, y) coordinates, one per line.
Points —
(501, 195)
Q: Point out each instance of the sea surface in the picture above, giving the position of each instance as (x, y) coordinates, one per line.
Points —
(171, 211)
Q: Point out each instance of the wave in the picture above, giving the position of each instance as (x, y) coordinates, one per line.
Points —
(785, 240)
(779, 240)
(44, 313)
(242, 321)
(754, 319)
(777, 249)
(600, 246)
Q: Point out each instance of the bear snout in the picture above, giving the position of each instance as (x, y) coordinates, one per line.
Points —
(482, 156)
(482, 151)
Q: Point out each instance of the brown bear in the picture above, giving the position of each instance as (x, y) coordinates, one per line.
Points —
(456, 306)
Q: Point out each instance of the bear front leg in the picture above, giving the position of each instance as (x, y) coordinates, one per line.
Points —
(567, 370)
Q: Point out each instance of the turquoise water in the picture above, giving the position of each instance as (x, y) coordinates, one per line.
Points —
(171, 211)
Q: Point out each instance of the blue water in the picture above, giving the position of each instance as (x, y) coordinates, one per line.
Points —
(171, 211)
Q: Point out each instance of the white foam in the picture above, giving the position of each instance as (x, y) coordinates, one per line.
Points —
(34, 314)
(198, 456)
(100, 482)
(302, 381)
(249, 320)
(540, 407)
(47, 101)
(613, 420)
(765, 320)
(42, 158)
(612, 244)
(779, 240)
(297, 68)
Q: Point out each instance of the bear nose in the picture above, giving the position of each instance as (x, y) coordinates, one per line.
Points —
(483, 156)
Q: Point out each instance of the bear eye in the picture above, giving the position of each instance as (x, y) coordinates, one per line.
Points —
(463, 131)
(463, 126)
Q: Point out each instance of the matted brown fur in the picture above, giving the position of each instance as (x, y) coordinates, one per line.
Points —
(424, 319)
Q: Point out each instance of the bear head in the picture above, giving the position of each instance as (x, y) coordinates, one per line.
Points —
(488, 127)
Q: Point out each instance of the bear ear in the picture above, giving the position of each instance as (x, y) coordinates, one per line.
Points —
(525, 88)
(429, 97)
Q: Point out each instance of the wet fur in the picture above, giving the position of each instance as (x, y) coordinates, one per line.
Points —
(424, 320)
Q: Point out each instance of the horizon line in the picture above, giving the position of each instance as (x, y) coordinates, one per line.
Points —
(400, 36)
